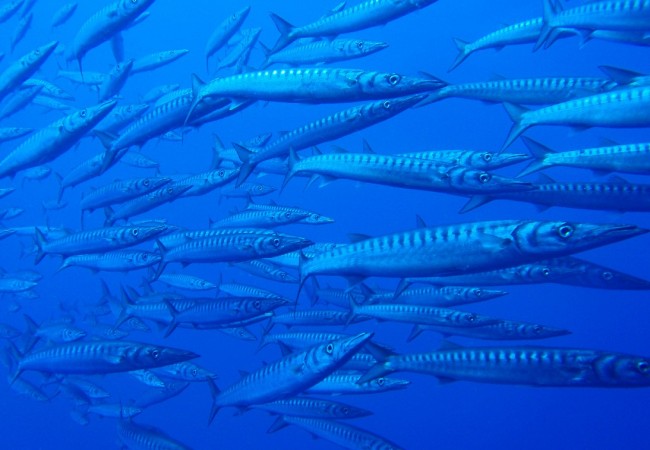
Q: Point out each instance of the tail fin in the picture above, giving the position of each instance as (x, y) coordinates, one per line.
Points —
(267, 53)
(174, 323)
(40, 242)
(214, 392)
(377, 371)
(515, 112)
(474, 202)
(30, 334)
(539, 151)
(293, 160)
(105, 138)
(247, 167)
(547, 34)
(462, 53)
(285, 29)
(197, 85)
(163, 264)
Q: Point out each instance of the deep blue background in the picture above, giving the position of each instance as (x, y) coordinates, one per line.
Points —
(459, 415)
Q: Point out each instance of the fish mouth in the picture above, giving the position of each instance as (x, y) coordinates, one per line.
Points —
(616, 231)
(513, 158)
(402, 103)
(354, 343)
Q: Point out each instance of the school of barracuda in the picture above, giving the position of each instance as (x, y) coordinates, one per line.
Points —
(436, 271)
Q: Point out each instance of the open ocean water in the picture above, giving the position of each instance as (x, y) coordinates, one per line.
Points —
(426, 415)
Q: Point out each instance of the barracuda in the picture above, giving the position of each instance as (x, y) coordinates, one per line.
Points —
(120, 191)
(615, 195)
(618, 108)
(115, 261)
(156, 60)
(348, 382)
(290, 375)
(326, 129)
(370, 13)
(165, 194)
(100, 357)
(140, 436)
(535, 366)
(262, 219)
(98, 240)
(630, 158)
(309, 85)
(105, 24)
(462, 248)
(230, 248)
(400, 171)
(618, 15)
(502, 330)
(528, 91)
(224, 31)
(312, 407)
(443, 296)
(22, 69)
(323, 52)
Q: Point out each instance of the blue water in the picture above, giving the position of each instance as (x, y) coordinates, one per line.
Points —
(427, 415)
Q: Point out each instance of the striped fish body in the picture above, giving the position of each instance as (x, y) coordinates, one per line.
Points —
(602, 15)
(184, 281)
(7, 10)
(120, 191)
(265, 269)
(49, 89)
(182, 237)
(236, 247)
(413, 173)
(519, 33)
(54, 140)
(165, 194)
(186, 371)
(156, 60)
(115, 80)
(290, 375)
(531, 91)
(205, 182)
(324, 52)
(261, 219)
(536, 366)
(313, 407)
(612, 196)
(105, 24)
(145, 437)
(314, 317)
(115, 261)
(240, 50)
(10, 133)
(617, 108)
(578, 272)
(332, 127)
(225, 311)
(91, 168)
(92, 79)
(501, 331)
(122, 116)
(159, 92)
(101, 239)
(292, 259)
(344, 382)
(63, 14)
(347, 436)
(443, 296)
(312, 217)
(369, 13)
(224, 31)
(310, 85)
(462, 248)
(99, 357)
(417, 314)
(629, 158)
(19, 71)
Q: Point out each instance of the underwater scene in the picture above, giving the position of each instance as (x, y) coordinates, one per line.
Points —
(380, 224)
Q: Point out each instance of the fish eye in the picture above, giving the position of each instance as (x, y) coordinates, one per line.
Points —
(394, 79)
(477, 292)
(386, 104)
(155, 354)
(565, 231)
(345, 410)
(257, 304)
(283, 275)
(37, 52)
(276, 242)
(359, 44)
(194, 372)
(470, 318)
(129, 108)
(643, 366)
(135, 232)
(546, 271)
(221, 173)
(170, 190)
(487, 156)
(537, 329)
(484, 177)
(329, 349)
(259, 188)
(146, 183)
(145, 256)
(607, 275)
(82, 113)
(287, 215)
(381, 381)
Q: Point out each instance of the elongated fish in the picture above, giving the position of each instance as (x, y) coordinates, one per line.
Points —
(500, 331)
(370, 13)
(323, 52)
(462, 248)
(614, 195)
(99, 357)
(145, 437)
(617, 108)
(20, 70)
(290, 375)
(629, 158)
(534, 366)
(224, 31)
(54, 140)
